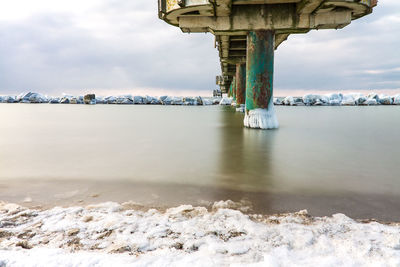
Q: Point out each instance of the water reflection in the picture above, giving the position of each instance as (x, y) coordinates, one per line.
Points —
(245, 160)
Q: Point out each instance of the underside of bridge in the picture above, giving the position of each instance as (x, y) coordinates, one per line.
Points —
(248, 32)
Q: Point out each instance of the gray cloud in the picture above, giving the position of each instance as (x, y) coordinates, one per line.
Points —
(131, 48)
(344, 59)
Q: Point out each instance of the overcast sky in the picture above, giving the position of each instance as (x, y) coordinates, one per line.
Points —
(119, 46)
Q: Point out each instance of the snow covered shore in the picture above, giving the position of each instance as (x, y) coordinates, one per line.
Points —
(333, 99)
(112, 234)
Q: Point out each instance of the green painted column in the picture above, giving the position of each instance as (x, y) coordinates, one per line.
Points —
(230, 90)
(259, 80)
(241, 84)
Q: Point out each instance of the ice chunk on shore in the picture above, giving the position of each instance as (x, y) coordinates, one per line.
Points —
(373, 96)
(359, 98)
(289, 100)
(7, 99)
(348, 100)
(208, 102)
(32, 98)
(278, 101)
(217, 100)
(385, 99)
(151, 100)
(396, 99)
(110, 100)
(190, 101)
(370, 102)
(335, 99)
(171, 100)
(54, 100)
(124, 100)
(227, 101)
(311, 99)
(138, 100)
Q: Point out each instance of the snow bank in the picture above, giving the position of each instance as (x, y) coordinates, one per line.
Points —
(111, 234)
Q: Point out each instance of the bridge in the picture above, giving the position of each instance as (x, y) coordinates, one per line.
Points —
(246, 34)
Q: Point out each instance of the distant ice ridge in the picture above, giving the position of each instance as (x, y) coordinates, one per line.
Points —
(121, 99)
(333, 99)
(112, 234)
(339, 99)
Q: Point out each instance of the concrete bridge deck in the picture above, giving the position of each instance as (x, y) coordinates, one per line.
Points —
(230, 20)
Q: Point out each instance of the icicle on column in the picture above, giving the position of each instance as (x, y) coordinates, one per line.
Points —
(260, 111)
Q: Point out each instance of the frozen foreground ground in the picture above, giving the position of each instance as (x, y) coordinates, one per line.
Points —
(111, 234)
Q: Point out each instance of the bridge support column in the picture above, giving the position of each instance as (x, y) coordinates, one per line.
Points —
(240, 87)
(260, 111)
(234, 89)
(230, 90)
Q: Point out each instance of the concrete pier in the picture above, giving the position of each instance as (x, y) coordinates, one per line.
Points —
(260, 69)
(265, 24)
(240, 84)
(234, 88)
(260, 78)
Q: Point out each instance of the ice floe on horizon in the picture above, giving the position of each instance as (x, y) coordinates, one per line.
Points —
(120, 99)
(332, 99)
(339, 99)
(119, 234)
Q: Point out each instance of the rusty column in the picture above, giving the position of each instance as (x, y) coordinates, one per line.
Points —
(259, 80)
(241, 84)
(234, 88)
(230, 90)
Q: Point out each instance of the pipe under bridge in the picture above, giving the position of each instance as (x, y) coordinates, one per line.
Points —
(246, 34)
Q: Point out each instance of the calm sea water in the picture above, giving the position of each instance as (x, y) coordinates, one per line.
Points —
(324, 159)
